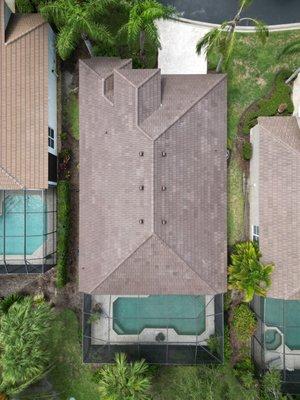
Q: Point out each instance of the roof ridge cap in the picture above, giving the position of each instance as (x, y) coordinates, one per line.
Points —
(33, 28)
(121, 263)
(186, 263)
(10, 176)
(188, 109)
(278, 140)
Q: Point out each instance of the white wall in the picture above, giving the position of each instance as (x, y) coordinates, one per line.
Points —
(254, 180)
(178, 54)
(52, 87)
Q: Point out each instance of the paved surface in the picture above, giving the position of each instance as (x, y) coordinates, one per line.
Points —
(273, 12)
(178, 48)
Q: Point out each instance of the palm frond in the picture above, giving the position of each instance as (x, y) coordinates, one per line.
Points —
(291, 49)
(262, 30)
(153, 35)
(56, 12)
(66, 41)
(245, 3)
(211, 40)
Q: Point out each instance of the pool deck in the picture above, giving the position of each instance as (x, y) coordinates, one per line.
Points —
(103, 332)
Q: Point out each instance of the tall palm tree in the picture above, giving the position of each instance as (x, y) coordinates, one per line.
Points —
(222, 38)
(124, 381)
(141, 23)
(247, 274)
(77, 20)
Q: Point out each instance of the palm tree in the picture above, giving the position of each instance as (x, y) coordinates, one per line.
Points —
(141, 23)
(124, 381)
(77, 20)
(247, 274)
(222, 38)
(25, 345)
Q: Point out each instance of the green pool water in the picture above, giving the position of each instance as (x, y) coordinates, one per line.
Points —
(285, 314)
(15, 236)
(185, 314)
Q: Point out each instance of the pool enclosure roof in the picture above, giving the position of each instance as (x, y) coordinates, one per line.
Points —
(152, 180)
(23, 100)
(279, 202)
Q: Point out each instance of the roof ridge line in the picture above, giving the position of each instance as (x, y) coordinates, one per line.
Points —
(33, 28)
(193, 105)
(122, 262)
(278, 140)
(9, 175)
(186, 263)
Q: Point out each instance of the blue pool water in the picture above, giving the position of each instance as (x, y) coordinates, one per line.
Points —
(185, 314)
(15, 236)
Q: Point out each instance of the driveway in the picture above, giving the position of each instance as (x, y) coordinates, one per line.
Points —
(273, 12)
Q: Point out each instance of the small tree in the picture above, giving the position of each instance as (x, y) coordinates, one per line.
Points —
(77, 20)
(246, 273)
(141, 23)
(222, 38)
(124, 381)
(24, 341)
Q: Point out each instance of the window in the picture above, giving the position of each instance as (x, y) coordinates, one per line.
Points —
(255, 233)
(51, 138)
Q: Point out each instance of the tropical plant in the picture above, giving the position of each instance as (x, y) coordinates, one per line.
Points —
(244, 323)
(8, 301)
(141, 23)
(77, 20)
(291, 49)
(24, 341)
(222, 39)
(246, 273)
(271, 386)
(123, 380)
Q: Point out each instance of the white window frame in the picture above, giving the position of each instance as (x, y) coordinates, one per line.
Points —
(51, 149)
(255, 233)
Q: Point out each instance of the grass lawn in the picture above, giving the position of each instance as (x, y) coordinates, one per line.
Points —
(70, 377)
(250, 76)
(73, 115)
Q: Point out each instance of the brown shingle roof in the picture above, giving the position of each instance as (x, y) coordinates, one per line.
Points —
(279, 202)
(23, 102)
(183, 149)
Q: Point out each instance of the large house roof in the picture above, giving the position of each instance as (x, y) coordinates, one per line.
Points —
(152, 181)
(279, 202)
(23, 101)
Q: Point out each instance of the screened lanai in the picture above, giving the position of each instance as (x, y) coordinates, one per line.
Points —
(27, 231)
(276, 344)
(163, 329)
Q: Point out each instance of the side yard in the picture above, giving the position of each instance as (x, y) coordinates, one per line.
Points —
(251, 74)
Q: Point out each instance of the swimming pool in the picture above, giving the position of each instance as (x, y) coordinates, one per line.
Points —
(285, 315)
(19, 234)
(184, 314)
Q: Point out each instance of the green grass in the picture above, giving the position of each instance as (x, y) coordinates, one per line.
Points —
(70, 377)
(251, 73)
(73, 115)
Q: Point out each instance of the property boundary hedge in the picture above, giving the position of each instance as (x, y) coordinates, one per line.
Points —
(63, 232)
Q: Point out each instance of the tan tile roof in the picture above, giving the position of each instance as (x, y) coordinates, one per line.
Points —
(23, 101)
(118, 254)
(279, 202)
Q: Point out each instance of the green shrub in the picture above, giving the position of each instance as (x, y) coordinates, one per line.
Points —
(8, 301)
(244, 323)
(268, 105)
(24, 6)
(271, 386)
(227, 344)
(25, 344)
(246, 273)
(63, 136)
(247, 151)
(73, 115)
(63, 232)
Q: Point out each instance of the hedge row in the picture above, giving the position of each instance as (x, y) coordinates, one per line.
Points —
(63, 232)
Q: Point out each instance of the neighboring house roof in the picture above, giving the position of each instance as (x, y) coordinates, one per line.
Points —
(23, 102)
(279, 202)
(153, 223)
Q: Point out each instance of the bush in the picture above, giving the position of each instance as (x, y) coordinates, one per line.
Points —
(24, 6)
(227, 344)
(271, 386)
(268, 106)
(124, 380)
(247, 151)
(24, 339)
(244, 323)
(246, 273)
(63, 232)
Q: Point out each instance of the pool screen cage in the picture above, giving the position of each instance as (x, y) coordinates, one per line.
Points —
(27, 231)
(155, 345)
(276, 343)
